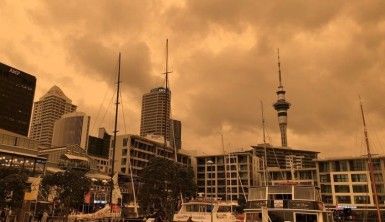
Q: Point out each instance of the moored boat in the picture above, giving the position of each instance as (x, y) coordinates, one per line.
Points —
(208, 211)
(286, 202)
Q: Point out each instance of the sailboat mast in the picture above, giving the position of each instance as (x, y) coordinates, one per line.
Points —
(224, 162)
(166, 102)
(264, 146)
(370, 165)
(115, 130)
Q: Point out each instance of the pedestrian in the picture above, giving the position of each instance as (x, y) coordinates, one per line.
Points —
(2, 215)
(8, 215)
(30, 216)
(44, 217)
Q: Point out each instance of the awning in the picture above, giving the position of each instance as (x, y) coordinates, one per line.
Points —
(98, 176)
(22, 154)
(53, 169)
(73, 157)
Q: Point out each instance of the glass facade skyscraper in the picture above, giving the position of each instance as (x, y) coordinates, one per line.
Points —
(17, 90)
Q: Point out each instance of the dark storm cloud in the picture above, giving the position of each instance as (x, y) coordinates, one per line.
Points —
(225, 88)
(331, 51)
(324, 72)
(101, 62)
(99, 18)
(90, 32)
(197, 17)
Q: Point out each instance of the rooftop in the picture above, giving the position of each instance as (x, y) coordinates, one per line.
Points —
(56, 91)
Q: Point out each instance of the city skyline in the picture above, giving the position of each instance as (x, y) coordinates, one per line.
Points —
(223, 58)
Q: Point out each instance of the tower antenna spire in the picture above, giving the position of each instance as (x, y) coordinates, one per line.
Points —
(281, 106)
(279, 69)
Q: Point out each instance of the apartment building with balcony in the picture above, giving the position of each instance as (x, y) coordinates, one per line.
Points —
(345, 183)
(226, 176)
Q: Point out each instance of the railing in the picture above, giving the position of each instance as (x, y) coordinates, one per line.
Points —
(285, 204)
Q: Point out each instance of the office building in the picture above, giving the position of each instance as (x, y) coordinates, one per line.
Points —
(226, 176)
(98, 149)
(286, 164)
(99, 146)
(71, 129)
(155, 117)
(17, 90)
(46, 111)
(345, 183)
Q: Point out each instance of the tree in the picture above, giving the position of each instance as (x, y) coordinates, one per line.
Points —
(163, 182)
(12, 186)
(70, 185)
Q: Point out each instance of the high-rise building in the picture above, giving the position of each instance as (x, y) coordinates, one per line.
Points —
(155, 119)
(46, 111)
(281, 106)
(71, 129)
(17, 90)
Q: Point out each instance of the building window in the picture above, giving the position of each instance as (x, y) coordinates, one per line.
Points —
(124, 161)
(123, 170)
(125, 141)
(220, 160)
(325, 178)
(376, 164)
(380, 188)
(359, 178)
(327, 199)
(339, 166)
(378, 177)
(357, 165)
(211, 175)
(326, 188)
(361, 199)
(124, 152)
(360, 188)
(381, 199)
(210, 168)
(341, 178)
(341, 188)
(343, 199)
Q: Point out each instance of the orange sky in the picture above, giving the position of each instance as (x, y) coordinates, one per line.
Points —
(223, 58)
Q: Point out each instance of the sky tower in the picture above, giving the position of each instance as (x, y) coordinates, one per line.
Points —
(281, 106)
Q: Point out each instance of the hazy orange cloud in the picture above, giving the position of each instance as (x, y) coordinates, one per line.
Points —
(223, 57)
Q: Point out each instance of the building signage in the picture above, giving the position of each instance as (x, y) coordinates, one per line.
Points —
(309, 205)
(14, 71)
(278, 203)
